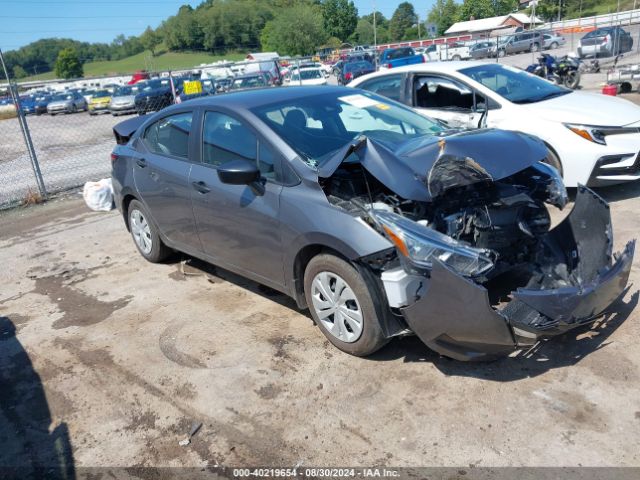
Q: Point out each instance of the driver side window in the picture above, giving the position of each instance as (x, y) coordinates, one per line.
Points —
(443, 94)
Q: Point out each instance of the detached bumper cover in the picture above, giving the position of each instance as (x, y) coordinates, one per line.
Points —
(454, 316)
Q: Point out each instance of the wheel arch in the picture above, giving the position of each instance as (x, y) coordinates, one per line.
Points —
(302, 258)
(555, 152)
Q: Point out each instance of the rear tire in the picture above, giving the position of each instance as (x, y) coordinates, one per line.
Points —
(342, 305)
(145, 233)
(456, 58)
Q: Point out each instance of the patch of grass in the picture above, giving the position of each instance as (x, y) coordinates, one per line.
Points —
(31, 198)
(144, 61)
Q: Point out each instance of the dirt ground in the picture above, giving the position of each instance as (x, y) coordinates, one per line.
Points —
(107, 360)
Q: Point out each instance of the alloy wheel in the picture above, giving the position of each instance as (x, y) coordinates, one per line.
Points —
(337, 307)
(141, 231)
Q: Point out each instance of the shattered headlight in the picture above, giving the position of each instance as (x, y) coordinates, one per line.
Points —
(589, 132)
(421, 245)
(556, 191)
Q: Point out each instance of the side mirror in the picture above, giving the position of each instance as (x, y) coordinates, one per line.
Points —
(238, 172)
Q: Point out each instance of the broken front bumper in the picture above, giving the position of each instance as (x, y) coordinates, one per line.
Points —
(455, 318)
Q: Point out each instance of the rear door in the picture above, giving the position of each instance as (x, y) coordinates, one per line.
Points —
(161, 175)
(238, 225)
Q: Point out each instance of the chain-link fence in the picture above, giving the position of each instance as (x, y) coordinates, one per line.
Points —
(60, 135)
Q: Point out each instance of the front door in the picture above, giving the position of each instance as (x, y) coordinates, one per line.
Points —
(161, 175)
(238, 225)
(445, 99)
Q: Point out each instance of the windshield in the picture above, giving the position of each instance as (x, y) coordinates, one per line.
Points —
(101, 94)
(61, 97)
(307, 75)
(316, 126)
(123, 91)
(149, 85)
(399, 53)
(515, 85)
(249, 82)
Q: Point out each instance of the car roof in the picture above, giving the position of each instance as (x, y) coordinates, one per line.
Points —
(257, 97)
(438, 67)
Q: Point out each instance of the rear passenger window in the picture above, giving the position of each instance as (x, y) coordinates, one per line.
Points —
(170, 135)
(389, 86)
(225, 139)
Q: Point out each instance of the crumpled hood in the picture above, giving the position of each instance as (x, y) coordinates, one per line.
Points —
(587, 108)
(488, 154)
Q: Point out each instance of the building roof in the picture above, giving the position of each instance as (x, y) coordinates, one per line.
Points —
(485, 24)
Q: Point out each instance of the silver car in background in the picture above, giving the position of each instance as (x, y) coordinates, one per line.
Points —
(553, 40)
(123, 101)
(69, 102)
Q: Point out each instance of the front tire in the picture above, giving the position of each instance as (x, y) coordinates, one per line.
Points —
(572, 80)
(534, 47)
(145, 234)
(554, 45)
(501, 53)
(342, 306)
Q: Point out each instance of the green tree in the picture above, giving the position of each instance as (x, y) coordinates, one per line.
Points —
(364, 32)
(504, 7)
(295, 31)
(150, 40)
(382, 27)
(443, 14)
(340, 18)
(476, 9)
(19, 72)
(402, 20)
(68, 64)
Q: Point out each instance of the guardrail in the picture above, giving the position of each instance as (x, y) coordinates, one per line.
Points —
(627, 17)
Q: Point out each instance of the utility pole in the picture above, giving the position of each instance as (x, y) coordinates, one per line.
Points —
(26, 135)
(375, 37)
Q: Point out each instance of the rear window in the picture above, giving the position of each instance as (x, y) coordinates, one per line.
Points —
(400, 53)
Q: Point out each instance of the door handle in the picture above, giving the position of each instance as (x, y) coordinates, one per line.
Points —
(141, 162)
(201, 187)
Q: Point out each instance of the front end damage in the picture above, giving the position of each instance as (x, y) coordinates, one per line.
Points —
(477, 272)
(455, 317)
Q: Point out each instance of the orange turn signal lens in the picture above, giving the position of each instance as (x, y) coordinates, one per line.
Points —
(582, 132)
(397, 241)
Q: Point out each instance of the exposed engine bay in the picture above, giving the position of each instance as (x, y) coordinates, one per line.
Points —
(506, 220)
(477, 258)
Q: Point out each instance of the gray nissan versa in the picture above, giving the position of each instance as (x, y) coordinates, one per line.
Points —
(377, 219)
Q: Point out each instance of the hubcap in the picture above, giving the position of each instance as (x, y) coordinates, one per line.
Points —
(336, 306)
(141, 231)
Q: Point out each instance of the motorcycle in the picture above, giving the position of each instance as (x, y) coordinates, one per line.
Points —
(564, 71)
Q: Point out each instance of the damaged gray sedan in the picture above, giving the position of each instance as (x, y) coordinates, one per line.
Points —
(380, 221)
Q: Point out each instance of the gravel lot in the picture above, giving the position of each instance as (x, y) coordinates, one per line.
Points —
(106, 360)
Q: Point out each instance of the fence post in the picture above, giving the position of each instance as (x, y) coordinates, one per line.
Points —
(26, 135)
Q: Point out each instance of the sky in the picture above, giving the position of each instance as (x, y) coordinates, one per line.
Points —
(24, 21)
